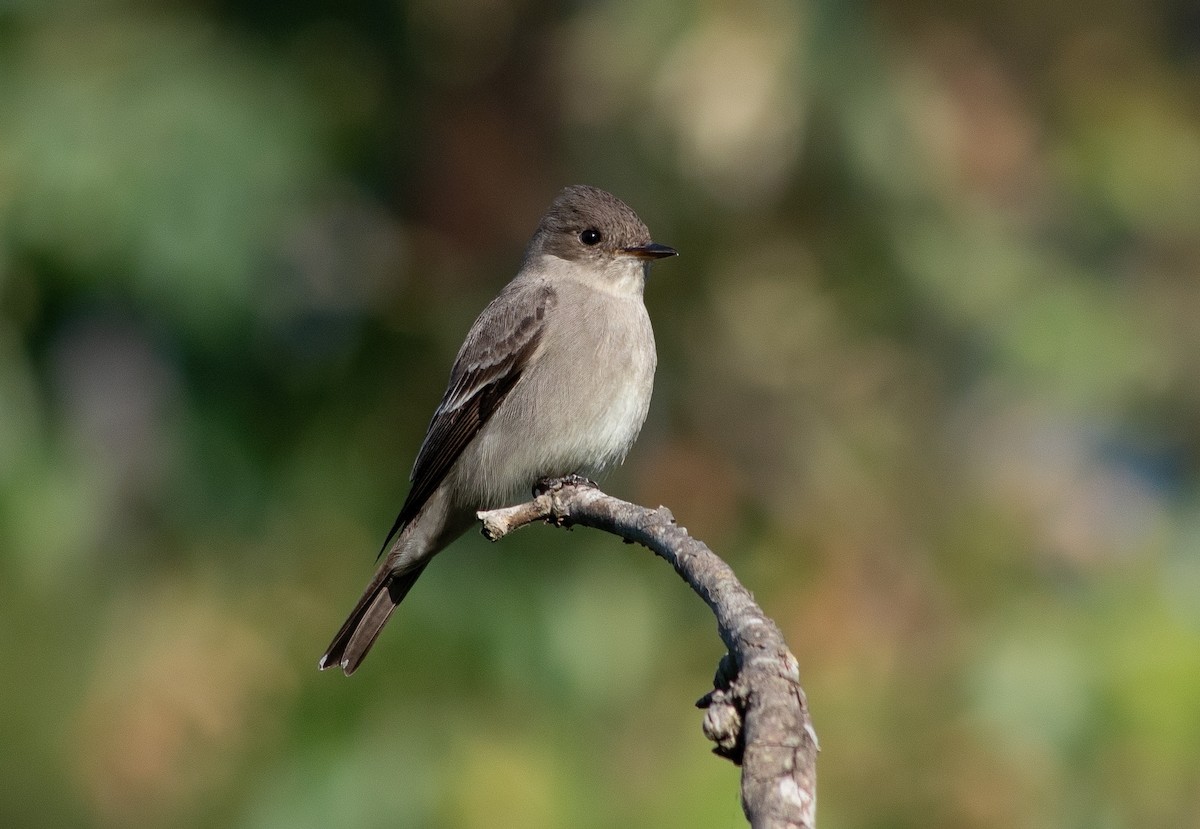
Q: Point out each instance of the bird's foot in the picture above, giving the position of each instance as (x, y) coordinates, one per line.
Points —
(553, 484)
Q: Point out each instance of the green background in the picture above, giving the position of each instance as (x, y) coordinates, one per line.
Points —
(929, 379)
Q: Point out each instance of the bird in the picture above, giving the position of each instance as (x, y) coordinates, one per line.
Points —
(553, 379)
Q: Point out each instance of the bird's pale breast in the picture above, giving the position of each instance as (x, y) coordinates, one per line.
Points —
(578, 407)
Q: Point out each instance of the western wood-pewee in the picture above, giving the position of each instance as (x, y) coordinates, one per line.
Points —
(554, 378)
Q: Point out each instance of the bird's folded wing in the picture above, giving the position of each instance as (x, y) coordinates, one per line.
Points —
(496, 352)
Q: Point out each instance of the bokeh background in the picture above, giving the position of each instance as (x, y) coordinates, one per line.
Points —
(929, 379)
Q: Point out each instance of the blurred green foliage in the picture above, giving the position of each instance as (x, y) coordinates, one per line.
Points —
(929, 380)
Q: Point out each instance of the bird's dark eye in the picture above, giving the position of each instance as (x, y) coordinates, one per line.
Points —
(591, 236)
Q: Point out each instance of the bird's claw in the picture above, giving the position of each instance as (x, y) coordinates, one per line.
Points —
(553, 484)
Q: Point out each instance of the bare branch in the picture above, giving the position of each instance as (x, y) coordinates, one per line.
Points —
(756, 713)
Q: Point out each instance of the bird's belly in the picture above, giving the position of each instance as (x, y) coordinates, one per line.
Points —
(577, 415)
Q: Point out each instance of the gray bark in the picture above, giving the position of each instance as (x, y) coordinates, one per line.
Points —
(756, 713)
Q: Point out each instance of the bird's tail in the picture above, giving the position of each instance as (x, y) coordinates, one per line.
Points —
(358, 634)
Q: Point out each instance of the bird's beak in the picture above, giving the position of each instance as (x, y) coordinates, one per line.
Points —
(650, 250)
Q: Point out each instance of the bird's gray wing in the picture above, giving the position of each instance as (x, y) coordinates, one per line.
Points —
(496, 352)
